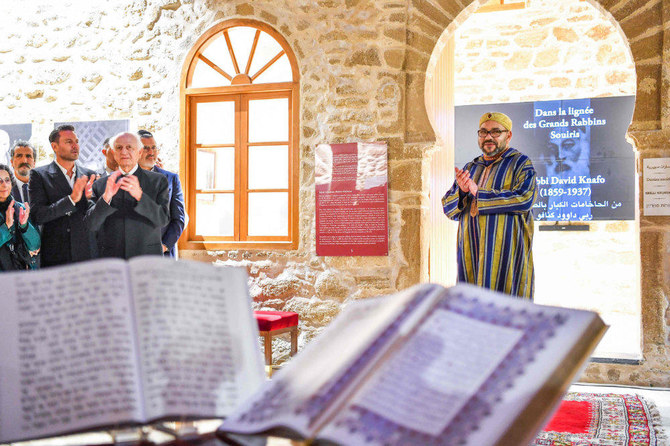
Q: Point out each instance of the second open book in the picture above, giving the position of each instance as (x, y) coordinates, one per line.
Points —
(458, 366)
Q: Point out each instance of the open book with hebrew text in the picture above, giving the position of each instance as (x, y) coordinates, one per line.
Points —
(429, 365)
(112, 342)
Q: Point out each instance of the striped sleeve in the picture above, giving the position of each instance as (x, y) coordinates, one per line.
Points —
(519, 198)
(455, 201)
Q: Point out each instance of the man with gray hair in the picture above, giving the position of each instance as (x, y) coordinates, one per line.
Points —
(22, 157)
(148, 160)
(131, 204)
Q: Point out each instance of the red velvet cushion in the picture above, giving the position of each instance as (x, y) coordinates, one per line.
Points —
(275, 320)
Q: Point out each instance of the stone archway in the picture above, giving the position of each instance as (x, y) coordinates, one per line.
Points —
(641, 24)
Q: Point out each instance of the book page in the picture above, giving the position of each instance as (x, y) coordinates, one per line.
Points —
(450, 382)
(438, 371)
(67, 356)
(197, 335)
(299, 395)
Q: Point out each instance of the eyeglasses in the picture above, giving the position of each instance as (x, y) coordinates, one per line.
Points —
(6, 180)
(495, 132)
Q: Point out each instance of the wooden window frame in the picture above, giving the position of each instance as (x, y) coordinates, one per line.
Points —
(189, 96)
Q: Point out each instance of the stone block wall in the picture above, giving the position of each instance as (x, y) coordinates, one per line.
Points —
(550, 50)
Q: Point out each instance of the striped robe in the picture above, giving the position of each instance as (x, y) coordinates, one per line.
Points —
(494, 247)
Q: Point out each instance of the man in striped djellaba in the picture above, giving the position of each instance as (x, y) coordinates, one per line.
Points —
(491, 199)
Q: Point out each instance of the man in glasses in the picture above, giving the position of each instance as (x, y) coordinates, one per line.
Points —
(492, 198)
(149, 161)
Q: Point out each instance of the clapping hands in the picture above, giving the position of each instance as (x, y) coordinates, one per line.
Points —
(129, 183)
(9, 215)
(465, 183)
(24, 213)
(83, 186)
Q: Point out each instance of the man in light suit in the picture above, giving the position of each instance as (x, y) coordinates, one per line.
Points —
(172, 231)
(131, 205)
(22, 157)
(59, 197)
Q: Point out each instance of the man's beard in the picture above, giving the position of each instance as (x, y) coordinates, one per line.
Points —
(499, 148)
(23, 169)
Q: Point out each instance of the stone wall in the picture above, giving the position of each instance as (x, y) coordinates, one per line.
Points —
(363, 65)
(550, 50)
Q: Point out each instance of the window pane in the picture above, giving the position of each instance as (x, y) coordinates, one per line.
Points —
(242, 38)
(268, 167)
(215, 168)
(215, 123)
(215, 214)
(268, 213)
(205, 76)
(266, 49)
(280, 71)
(268, 120)
(217, 52)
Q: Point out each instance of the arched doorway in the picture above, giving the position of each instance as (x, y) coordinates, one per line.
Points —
(545, 52)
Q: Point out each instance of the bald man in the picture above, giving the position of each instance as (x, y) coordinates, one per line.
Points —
(492, 198)
(131, 205)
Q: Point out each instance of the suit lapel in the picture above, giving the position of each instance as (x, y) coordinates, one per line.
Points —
(79, 172)
(16, 194)
(58, 179)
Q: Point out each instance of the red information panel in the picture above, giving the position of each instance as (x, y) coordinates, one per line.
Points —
(351, 199)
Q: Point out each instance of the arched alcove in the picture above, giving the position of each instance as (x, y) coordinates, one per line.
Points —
(546, 51)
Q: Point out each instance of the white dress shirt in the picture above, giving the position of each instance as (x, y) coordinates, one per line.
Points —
(70, 179)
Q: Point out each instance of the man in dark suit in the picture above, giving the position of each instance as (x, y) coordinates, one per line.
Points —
(131, 205)
(59, 194)
(172, 231)
(22, 157)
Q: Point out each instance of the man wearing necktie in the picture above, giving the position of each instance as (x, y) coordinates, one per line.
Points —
(22, 157)
(131, 205)
(59, 197)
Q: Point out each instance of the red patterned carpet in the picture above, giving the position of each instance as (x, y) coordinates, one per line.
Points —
(603, 419)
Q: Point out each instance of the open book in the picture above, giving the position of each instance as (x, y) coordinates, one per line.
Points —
(112, 343)
(429, 365)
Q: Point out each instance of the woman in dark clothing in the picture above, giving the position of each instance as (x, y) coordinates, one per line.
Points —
(19, 240)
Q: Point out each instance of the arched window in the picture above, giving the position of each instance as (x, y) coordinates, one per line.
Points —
(239, 139)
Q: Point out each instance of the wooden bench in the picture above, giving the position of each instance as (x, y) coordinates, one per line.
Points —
(273, 323)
